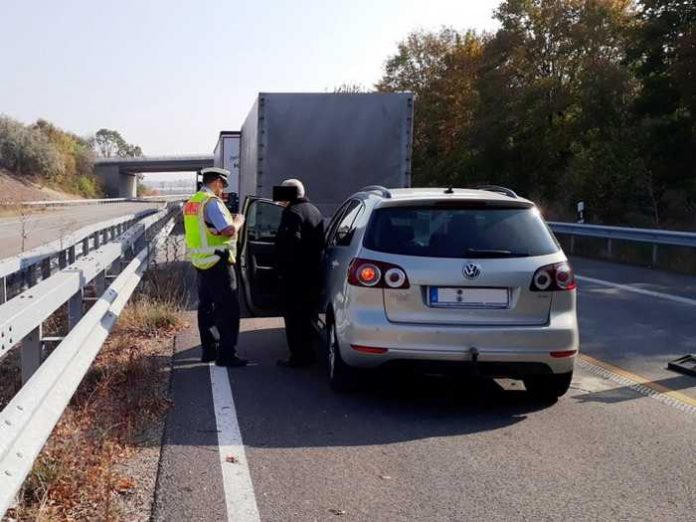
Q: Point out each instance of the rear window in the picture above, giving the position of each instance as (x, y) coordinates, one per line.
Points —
(460, 232)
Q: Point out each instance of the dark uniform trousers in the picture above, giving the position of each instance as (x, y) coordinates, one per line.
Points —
(299, 311)
(218, 305)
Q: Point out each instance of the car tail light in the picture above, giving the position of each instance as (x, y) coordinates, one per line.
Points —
(376, 274)
(551, 278)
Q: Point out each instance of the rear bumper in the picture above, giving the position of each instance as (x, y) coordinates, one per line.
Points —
(507, 351)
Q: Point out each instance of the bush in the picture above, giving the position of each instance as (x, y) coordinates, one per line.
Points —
(44, 151)
(23, 151)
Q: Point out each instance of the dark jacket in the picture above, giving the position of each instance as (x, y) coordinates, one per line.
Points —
(299, 245)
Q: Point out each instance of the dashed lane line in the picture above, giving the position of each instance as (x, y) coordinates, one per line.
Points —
(636, 290)
(239, 491)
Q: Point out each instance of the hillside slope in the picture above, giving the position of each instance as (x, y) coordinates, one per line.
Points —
(13, 190)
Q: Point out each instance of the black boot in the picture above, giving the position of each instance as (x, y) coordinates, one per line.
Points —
(209, 354)
(231, 362)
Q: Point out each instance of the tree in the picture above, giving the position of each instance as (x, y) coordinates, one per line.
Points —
(440, 69)
(663, 54)
(110, 143)
(569, 100)
(24, 151)
(350, 88)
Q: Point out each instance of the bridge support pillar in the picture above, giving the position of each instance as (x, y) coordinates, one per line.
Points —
(117, 184)
(127, 187)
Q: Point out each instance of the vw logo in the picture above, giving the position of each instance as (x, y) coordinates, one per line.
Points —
(472, 270)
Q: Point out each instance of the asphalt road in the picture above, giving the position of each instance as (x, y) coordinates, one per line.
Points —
(433, 449)
(41, 227)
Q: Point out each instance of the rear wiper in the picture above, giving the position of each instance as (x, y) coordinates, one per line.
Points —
(481, 252)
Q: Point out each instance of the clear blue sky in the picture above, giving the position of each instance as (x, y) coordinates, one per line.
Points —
(169, 75)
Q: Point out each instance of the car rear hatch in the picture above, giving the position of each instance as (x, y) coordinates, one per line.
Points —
(467, 262)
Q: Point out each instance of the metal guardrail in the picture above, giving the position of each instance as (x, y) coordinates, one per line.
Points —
(21, 316)
(166, 196)
(69, 202)
(77, 202)
(652, 236)
(61, 252)
(27, 421)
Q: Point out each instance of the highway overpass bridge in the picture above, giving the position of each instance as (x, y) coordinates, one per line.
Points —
(120, 174)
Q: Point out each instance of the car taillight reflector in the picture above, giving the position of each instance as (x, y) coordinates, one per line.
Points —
(368, 349)
(564, 353)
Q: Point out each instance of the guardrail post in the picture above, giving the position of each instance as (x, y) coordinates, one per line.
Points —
(609, 249)
(654, 254)
(100, 283)
(62, 259)
(31, 353)
(30, 276)
(116, 267)
(75, 310)
(71, 255)
(46, 268)
(96, 240)
(85, 246)
(3, 290)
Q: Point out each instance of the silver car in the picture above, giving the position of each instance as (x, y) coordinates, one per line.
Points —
(469, 280)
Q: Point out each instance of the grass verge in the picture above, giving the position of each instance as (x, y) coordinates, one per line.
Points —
(80, 474)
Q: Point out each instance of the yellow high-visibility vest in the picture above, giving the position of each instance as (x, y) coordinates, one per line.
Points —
(201, 242)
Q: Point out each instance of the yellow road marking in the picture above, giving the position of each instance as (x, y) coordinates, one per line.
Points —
(654, 386)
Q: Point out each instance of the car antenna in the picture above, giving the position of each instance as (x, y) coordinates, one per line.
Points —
(449, 190)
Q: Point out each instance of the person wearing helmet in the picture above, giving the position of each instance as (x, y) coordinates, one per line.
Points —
(211, 240)
(298, 250)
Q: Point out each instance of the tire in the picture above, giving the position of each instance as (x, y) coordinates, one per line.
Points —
(342, 377)
(548, 387)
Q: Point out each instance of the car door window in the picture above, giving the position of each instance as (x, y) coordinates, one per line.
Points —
(333, 224)
(263, 220)
(345, 228)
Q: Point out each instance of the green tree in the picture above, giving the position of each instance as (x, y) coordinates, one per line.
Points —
(110, 143)
(440, 68)
(26, 152)
(663, 54)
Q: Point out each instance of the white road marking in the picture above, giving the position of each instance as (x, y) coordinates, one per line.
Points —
(239, 491)
(636, 290)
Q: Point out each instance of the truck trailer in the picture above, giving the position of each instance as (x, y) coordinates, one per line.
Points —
(335, 143)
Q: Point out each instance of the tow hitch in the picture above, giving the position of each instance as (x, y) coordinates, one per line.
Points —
(474, 361)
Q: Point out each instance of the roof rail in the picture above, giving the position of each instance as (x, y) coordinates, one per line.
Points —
(496, 188)
(384, 192)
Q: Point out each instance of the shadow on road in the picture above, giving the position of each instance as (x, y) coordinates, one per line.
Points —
(283, 408)
(626, 393)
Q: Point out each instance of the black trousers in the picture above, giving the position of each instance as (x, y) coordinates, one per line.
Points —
(299, 311)
(218, 305)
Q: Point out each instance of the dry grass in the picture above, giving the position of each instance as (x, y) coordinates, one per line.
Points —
(148, 317)
(123, 396)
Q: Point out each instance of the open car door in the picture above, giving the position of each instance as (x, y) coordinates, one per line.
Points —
(260, 282)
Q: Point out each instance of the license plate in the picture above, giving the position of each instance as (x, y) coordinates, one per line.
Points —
(469, 297)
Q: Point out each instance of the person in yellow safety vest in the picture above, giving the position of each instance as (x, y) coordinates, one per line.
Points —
(211, 238)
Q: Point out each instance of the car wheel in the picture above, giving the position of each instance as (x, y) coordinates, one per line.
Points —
(341, 376)
(548, 386)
